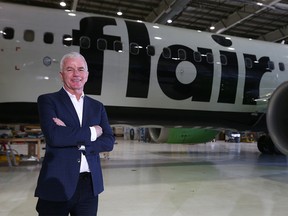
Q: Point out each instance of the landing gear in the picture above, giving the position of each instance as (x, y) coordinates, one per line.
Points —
(266, 145)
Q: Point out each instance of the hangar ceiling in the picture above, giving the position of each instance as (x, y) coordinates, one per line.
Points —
(262, 19)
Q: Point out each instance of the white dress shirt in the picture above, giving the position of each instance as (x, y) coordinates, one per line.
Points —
(78, 105)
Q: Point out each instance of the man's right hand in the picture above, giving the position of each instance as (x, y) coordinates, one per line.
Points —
(59, 122)
(98, 130)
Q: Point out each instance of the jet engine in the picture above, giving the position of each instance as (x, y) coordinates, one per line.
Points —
(277, 119)
(182, 135)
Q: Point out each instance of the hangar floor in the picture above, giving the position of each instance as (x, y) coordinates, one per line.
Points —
(143, 179)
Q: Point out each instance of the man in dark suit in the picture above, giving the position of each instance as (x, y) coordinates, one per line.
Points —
(76, 130)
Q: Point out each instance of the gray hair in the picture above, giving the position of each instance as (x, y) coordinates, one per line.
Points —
(72, 55)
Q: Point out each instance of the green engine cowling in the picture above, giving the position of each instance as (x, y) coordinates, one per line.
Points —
(182, 135)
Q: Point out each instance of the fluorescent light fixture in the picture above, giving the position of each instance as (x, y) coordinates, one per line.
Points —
(62, 4)
(169, 21)
(212, 27)
(119, 13)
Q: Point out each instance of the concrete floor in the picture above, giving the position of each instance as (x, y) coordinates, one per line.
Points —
(142, 179)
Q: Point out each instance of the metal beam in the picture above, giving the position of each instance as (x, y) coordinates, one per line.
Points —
(277, 35)
(237, 17)
(74, 5)
(167, 10)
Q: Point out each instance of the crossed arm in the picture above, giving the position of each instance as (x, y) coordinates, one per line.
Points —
(98, 129)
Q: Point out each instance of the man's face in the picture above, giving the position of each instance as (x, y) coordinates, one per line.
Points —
(74, 74)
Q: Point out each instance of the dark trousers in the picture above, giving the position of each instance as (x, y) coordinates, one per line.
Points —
(82, 203)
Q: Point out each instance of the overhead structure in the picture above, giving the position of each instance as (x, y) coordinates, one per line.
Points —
(261, 20)
(167, 9)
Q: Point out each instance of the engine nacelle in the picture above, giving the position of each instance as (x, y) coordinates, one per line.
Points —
(277, 118)
(182, 135)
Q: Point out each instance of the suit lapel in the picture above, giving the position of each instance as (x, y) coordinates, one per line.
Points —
(85, 111)
(65, 99)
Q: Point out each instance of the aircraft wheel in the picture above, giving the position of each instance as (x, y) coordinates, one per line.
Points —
(265, 145)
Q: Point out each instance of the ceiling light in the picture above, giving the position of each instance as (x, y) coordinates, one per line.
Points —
(212, 27)
(119, 13)
(169, 21)
(71, 14)
(62, 4)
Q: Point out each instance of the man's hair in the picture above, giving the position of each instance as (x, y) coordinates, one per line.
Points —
(72, 55)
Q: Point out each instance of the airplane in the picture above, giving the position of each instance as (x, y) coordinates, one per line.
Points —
(164, 78)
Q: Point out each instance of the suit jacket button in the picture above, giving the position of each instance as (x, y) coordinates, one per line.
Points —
(78, 160)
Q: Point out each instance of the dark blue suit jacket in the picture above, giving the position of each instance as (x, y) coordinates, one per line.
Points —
(60, 168)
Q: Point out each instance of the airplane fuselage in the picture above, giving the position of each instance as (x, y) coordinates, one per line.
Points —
(143, 73)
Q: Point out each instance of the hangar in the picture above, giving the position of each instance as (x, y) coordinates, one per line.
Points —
(262, 20)
(162, 179)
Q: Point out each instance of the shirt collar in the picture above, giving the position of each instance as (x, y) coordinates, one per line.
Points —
(73, 96)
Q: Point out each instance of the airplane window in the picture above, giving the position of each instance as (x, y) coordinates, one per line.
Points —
(197, 56)
(29, 35)
(134, 48)
(223, 59)
(210, 58)
(101, 44)
(118, 46)
(8, 33)
(48, 38)
(281, 66)
(248, 63)
(182, 54)
(150, 50)
(67, 40)
(84, 42)
(271, 65)
(166, 52)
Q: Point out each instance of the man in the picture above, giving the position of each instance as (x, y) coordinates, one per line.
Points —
(76, 130)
